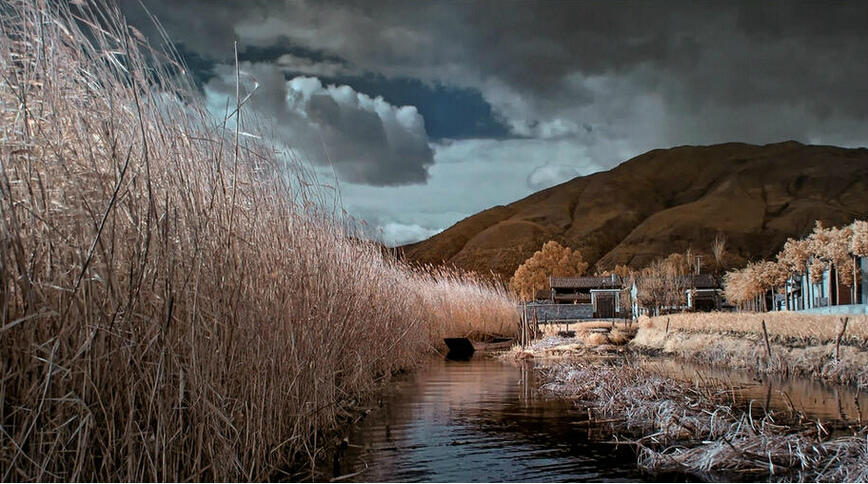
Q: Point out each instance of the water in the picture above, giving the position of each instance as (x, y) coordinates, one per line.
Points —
(795, 394)
(483, 420)
(480, 420)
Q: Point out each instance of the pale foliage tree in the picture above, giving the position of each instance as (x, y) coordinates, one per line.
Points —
(742, 286)
(825, 248)
(838, 251)
(795, 255)
(817, 242)
(831, 250)
(552, 260)
(859, 240)
(858, 248)
(622, 271)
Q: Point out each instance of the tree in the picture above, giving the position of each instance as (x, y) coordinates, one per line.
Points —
(718, 250)
(858, 248)
(744, 286)
(859, 240)
(830, 248)
(552, 260)
(664, 283)
(772, 276)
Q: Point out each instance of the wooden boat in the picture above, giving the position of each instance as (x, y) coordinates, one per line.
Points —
(497, 344)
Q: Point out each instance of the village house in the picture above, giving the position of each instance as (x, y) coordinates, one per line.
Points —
(702, 293)
(576, 298)
(601, 294)
(801, 293)
(601, 297)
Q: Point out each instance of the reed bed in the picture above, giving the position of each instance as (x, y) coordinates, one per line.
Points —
(175, 303)
(700, 430)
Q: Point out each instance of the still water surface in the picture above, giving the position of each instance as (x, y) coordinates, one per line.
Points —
(483, 420)
(480, 420)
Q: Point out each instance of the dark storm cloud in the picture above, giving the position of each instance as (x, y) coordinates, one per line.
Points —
(534, 61)
(548, 89)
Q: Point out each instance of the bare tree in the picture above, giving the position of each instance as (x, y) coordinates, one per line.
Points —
(718, 250)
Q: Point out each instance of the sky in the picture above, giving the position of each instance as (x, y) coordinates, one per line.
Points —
(428, 112)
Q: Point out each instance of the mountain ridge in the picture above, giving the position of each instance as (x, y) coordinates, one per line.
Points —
(666, 200)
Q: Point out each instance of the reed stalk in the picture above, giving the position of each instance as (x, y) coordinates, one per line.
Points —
(175, 303)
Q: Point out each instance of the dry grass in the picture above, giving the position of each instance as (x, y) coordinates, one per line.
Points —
(174, 303)
(620, 336)
(781, 325)
(595, 339)
(686, 428)
(735, 345)
(466, 305)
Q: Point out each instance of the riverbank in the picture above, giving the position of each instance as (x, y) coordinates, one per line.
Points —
(702, 430)
(558, 341)
(831, 348)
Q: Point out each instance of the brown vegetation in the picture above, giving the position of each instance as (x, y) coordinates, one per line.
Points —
(174, 305)
(552, 260)
(816, 345)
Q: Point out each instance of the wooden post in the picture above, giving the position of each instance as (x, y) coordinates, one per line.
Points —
(766, 336)
(535, 324)
(667, 326)
(843, 329)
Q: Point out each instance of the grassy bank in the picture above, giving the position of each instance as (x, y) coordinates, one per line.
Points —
(174, 302)
(689, 428)
(816, 345)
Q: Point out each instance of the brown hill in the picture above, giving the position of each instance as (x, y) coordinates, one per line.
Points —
(664, 201)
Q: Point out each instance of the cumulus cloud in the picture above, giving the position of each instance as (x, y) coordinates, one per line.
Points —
(366, 139)
(550, 175)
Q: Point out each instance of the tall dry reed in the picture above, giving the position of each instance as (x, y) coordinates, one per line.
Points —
(173, 303)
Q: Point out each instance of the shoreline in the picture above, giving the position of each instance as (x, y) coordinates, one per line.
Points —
(832, 352)
(703, 430)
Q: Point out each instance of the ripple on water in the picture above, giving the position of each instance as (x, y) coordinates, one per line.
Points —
(479, 420)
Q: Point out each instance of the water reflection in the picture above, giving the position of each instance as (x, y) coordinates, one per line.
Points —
(475, 421)
(796, 394)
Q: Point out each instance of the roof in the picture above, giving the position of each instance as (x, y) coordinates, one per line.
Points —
(572, 297)
(605, 282)
(698, 281)
(704, 281)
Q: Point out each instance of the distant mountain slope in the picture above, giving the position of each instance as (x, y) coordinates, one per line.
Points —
(664, 201)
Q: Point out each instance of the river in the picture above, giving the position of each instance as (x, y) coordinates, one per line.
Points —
(480, 420)
(484, 420)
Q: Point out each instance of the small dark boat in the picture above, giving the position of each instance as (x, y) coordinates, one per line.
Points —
(463, 348)
(459, 348)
